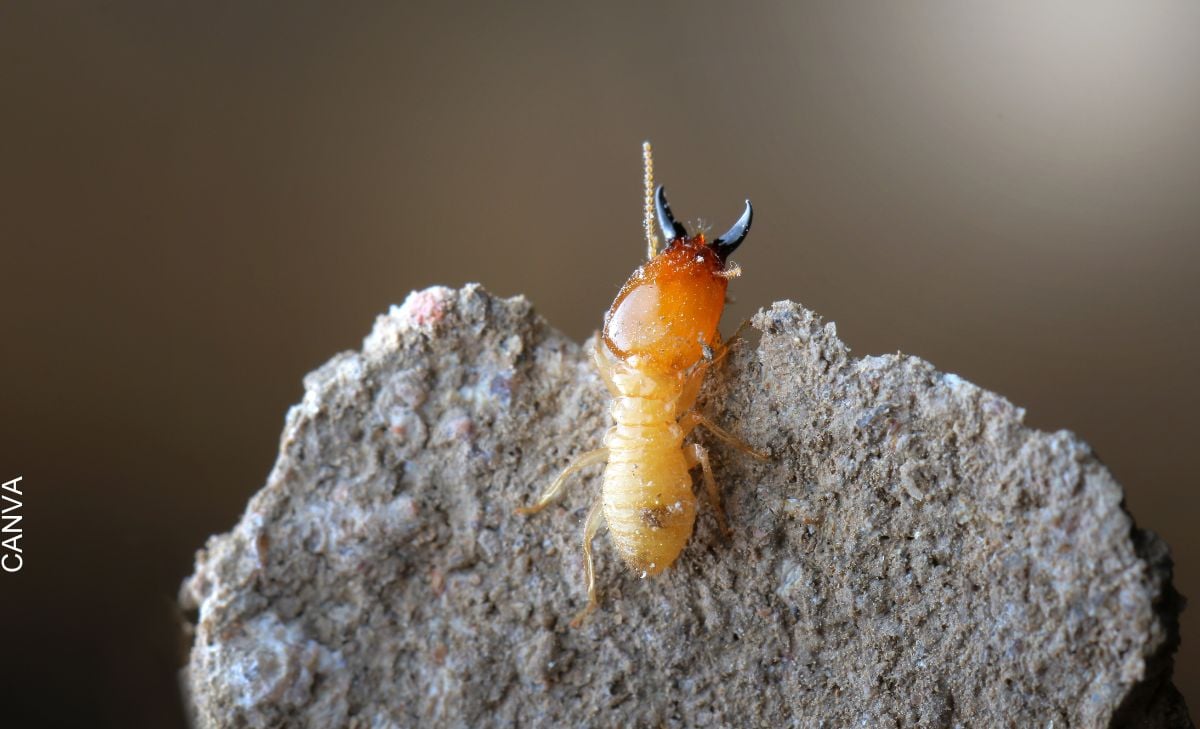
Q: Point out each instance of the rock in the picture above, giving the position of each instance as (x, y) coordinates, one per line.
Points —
(912, 555)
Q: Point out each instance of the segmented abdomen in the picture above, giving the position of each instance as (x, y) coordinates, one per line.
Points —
(648, 500)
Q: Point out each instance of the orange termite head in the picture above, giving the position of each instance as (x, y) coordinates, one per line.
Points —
(669, 308)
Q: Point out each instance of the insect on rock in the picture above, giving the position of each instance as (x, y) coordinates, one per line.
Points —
(659, 341)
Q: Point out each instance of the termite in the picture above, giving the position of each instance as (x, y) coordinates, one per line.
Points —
(659, 341)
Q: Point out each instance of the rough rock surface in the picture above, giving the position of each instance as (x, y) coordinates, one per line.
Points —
(912, 555)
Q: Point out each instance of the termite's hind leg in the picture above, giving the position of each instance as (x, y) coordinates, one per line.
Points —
(591, 458)
(689, 422)
(590, 527)
(697, 454)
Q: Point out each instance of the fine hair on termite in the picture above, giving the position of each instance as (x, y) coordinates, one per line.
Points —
(659, 341)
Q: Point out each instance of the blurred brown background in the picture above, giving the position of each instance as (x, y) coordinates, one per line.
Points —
(198, 205)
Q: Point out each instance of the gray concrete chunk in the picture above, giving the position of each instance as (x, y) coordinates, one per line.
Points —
(911, 555)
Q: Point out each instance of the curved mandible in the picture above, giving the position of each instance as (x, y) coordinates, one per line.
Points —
(733, 237)
(671, 228)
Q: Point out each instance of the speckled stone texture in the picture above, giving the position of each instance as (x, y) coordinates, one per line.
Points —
(912, 555)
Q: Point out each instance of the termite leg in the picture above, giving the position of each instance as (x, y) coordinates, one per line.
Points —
(725, 347)
(737, 335)
(689, 422)
(698, 454)
(604, 367)
(695, 379)
(591, 458)
(590, 527)
(691, 390)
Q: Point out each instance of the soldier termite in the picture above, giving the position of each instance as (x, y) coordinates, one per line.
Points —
(660, 338)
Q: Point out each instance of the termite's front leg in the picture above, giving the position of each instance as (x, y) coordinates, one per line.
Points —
(591, 458)
(604, 365)
(695, 379)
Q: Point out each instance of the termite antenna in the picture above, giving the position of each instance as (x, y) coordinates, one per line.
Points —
(648, 208)
(671, 228)
(733, 237)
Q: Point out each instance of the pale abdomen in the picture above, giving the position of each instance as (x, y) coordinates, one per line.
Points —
(649, 504)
